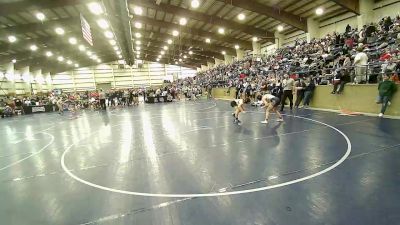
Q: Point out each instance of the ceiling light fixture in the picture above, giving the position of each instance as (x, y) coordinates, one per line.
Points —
(49, 54)
(237, 46)
(59, 31)
(223, 52)
(255, 39)
(183, 21)
(116, 48)
(208, 40)
(103, 23)
(241, 16)
(14, 61)
(113, 42)
(137, 48)
(319, 11)
(169, 41)
(195, 4)
(184, 56)
(138, 10)
(33, 47)
(165, 48)
(81, 48)
(40, 16)
(109, 34)
(280, 28)
(60, 58)
(89, 53)
(76, 65)
(190, 53)
(138, 25)
(72, 41)
(69, 62)
(12, 39)
(221, 30)
(138, 42)
(95, 8)
(138, 35)
(175, 33)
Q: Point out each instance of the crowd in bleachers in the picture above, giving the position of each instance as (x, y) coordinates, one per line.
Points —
(356, 56)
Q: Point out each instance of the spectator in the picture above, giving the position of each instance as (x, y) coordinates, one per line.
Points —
(102, 97)
(308, 91)
(288, 88)
(360, 63)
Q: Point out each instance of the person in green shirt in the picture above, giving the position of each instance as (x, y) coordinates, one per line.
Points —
(386, 90)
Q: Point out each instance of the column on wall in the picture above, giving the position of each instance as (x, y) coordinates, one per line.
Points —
(11, 78)
(312, 28)
(228, 59)
(239, 54)
(26, 78)
(366, 13)
(279, 39)
(218, 62)
(39, 81)
(256, 48)
(49, 81)
(204, 68)
(210, 65)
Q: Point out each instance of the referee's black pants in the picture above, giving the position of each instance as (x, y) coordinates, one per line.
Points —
(287, 94)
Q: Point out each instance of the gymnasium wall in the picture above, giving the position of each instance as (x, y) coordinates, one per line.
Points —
(355, 98)
(112, 75)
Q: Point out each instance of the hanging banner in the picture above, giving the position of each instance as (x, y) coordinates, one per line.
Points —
(87, 34)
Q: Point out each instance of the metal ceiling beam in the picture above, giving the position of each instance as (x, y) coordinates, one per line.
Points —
(161, 44)
(350, 5)
(192, 31)
(283, 16)
(154, 59)
(64, 69)
(172, 57)
(18, 6)
(215, 20)
(33, 27)
(216, 49)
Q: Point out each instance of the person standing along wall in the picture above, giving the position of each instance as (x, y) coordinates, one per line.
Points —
(288, 86)
(386, 90)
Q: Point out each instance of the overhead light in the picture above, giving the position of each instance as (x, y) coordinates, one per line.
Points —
(176, 62)
(180, 60)
(319, 11)
(169, 41)
(162, 52)
(138, 42)
(60, 58)
(76, 65)
(99, 60)
(195, 4)
(184, 56)
(158, 59)
(12, 39)
(33, 47)
(59, 31)
(255, 39)
(165, 48)
(221, 30)
(190, 53)
(138, 52)
(183, 21)
(95, 8)
(89, 53)
(94, 57)
(241, 16)
(115, 48)
(113, 42)
(72, 41)
(223, 52)
(14, 61)
(118, 52)
(49, 54)
(40, 16)
(137, 48)
(159, 56)
(138, 35)
(103, 23)
(237, 46)
(120, 56)
(138, 10)
(208, 40)
(138, 25)
(280, 28)
(109, 34)
(69, 62)
(82, 48)
(175, 33)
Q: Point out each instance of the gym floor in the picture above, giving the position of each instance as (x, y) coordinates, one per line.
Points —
(188, 164)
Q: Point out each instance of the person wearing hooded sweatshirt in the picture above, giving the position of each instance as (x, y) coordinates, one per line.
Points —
(386, 90)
